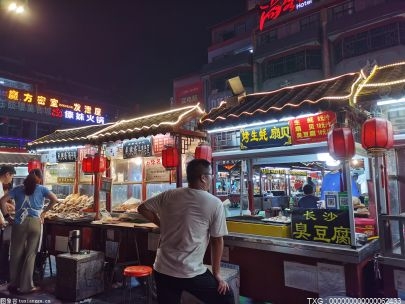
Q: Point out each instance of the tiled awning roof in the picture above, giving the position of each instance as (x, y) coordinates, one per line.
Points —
(296, 100)
(16, 159)
(384, 82)
(67, 137)
(159, 123)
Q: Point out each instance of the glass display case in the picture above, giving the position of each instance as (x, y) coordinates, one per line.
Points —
(60, 178)
(126, 175)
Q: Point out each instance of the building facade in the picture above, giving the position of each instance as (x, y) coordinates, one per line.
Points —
(33, 105)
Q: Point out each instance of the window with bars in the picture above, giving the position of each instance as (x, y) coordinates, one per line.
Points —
(311, 21)
(368, 41)
(341, 10)
(302, 60)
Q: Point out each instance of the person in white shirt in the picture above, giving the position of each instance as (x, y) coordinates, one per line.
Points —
(189, 219)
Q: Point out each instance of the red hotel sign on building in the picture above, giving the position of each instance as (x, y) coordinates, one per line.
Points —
(312, 128)
(276, 8)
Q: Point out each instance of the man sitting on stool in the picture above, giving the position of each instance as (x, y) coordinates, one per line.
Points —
(309, 200)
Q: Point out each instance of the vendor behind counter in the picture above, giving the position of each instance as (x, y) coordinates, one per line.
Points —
(309, 200)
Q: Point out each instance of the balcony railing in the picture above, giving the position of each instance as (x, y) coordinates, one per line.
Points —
(227, 62)
(281, 45)
(382, 11)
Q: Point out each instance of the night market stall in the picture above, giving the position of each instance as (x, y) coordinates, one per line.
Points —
(111, 169)
(280, 139)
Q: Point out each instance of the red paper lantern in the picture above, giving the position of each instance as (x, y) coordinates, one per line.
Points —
(341, 143)
(99, 163)
(34, 164)
(170, 157)
(203, 151)
(87, 164)
(377, 135)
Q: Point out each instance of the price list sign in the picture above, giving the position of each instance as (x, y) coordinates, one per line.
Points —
(312, 128)
(137, 147)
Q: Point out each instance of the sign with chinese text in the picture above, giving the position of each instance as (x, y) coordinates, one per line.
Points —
(106, 184)
(160, 141)
(276, 8)
(137, 147)
(312, 128)
(155, 172)
(274, 135)
(66, 156)
(321, 225)
(53, 106)
(65, 180)
(189, 94)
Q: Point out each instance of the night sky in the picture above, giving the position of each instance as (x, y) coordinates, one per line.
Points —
(131, 48)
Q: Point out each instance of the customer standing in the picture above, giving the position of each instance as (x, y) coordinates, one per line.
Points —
(26, 232)
(189, 219)
(6, 176)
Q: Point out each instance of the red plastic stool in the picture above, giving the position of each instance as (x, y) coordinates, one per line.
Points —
(139, 271)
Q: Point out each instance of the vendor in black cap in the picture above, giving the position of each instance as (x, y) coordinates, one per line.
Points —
(309, 199)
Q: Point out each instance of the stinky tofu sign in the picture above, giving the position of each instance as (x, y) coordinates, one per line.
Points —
(137, 147)
(321, 225)
(274, 135)
(312, 128)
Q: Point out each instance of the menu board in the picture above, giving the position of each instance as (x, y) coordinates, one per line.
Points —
(321, 225)
(313, 128)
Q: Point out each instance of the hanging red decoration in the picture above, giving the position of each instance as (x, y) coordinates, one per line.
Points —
(99, 163)
(203, 151)
(377, 136)
(341, 143)
(170, 157)
(34, 164)
(87, 164)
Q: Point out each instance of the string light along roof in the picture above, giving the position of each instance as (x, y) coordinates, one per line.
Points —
(383, 82)
(158, 123)
(66, 137)
(162, 122)
(16, 159)
(328, 94)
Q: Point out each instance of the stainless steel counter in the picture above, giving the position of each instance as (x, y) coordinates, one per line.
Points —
(341, 253)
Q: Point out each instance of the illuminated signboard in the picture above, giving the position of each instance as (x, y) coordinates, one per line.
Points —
(274, 135)
(51, 106)
(321, 225)
(312, 128)
(137, 147)
(276, 8)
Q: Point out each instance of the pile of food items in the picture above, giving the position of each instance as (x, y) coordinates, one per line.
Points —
(71, 208)
(359, 208)
(130, 205)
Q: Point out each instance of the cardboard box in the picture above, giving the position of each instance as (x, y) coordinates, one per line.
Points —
(230, 273)
(365, 225)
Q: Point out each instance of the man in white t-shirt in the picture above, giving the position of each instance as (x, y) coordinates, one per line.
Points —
(6, 177)
(189, 219)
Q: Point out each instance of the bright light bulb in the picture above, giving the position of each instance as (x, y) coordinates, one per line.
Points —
(20, 10)
(12, 6)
